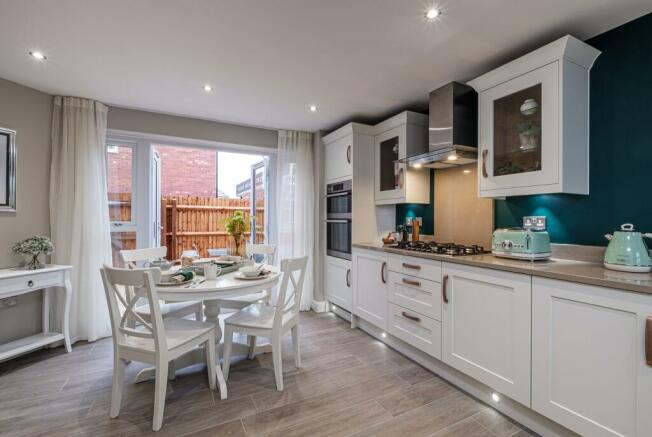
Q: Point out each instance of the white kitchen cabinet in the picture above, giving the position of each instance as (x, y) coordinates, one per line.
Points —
(589, 370)
(338, 281)
(338, 150)
(370, 290)
(420, 331)
(405, 134)
(534, 122)
(486, 317)
(416, 294)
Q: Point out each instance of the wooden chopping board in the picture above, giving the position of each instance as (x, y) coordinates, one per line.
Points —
(460, 215)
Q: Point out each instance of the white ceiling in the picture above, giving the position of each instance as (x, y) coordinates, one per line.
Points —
(270, 59)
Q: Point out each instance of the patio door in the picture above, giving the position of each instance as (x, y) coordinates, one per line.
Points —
(258, 224)
(121, 161)
(157, 212)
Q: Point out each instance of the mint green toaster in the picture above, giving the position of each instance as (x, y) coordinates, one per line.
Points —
(519, 243)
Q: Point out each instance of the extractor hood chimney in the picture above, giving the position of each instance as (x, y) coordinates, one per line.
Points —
(453, 131)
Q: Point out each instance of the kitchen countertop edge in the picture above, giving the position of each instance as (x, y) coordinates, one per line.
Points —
(582, 272)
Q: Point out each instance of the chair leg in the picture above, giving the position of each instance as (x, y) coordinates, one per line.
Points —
(118, 381)
(295, 346)
(252, 347)
(210, 361)
(172, 371)
(228, 341)
(277, 357)
(160, 388)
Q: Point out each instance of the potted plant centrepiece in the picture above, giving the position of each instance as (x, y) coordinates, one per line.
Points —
(236, 226)
(34, 246)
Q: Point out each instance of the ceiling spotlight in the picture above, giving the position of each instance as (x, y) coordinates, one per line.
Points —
(207, 88)
(312, 108)
(417, 165)
(467, 171)
(38, 55)
(452, 157)
(432, 13)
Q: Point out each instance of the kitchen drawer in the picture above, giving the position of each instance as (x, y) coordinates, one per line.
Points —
(421, 332)
(416, 294)
(14, 286)
(419, 267)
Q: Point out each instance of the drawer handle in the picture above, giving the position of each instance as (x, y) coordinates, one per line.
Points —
(443, 288)
(348, 277)
(30, 283)
(411, 317)
(382, 272)
(484, 163)
(411, 266)
(411, 282)
(348, 154)
(648, 340)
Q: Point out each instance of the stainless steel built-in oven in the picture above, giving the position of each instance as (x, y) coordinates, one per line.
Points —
(338, 219)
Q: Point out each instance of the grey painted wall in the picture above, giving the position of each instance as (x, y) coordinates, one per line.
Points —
(162, 124)
(29, 113)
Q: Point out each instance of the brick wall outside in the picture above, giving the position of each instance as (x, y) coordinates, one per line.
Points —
(119, 173)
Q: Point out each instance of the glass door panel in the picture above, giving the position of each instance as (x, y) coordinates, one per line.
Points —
(389, 167)
(120, 159)
(517, 132)
(258, 196)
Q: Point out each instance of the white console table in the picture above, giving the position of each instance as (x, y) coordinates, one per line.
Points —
(16, 281)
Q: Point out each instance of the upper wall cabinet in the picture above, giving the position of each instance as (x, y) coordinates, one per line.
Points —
(339, 151)
(534, 122)
(405, 134)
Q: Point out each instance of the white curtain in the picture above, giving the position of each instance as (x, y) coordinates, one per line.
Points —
(296, 204)
(79, 211)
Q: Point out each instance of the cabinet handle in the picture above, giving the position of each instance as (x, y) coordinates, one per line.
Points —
(648, 340)
(411, 266)
(30, 283)
(382, 272)
(348, 154)
(444, 281)
(484, 163)
(411, 282)
(413, 318)
(348, 277)
(400, 177)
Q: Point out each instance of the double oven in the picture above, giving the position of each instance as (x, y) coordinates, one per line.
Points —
(338, 219)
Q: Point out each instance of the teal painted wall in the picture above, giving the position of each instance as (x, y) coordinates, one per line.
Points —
(426, 212)
(620, 147)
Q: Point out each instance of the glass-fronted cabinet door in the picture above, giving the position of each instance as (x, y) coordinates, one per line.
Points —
(390, 174)
(519, 131)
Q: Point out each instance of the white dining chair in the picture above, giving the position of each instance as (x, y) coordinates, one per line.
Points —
(273, 322)
(156, 342)
(268, 255)
(132, 258)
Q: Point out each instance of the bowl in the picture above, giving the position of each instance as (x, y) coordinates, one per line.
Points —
(250, 271)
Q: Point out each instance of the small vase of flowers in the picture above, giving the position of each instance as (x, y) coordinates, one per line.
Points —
(236, 226)
(34, 246)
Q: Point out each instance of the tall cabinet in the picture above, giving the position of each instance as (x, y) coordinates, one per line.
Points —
(534, 122)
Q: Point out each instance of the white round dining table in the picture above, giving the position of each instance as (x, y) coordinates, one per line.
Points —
(211, 292)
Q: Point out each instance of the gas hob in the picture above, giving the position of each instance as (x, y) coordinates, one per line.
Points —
(452, 249)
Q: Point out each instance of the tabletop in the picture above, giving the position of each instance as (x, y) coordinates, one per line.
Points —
(224, 286)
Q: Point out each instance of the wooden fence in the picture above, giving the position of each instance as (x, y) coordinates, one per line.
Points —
(187, 221)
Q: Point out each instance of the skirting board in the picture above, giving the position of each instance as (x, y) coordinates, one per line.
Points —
(520, 413)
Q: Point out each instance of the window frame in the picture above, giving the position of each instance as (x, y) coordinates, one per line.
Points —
(124, 226)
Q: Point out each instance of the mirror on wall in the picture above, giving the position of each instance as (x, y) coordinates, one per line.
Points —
(7, 170)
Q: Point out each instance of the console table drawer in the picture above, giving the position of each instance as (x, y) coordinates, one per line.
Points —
(34, 281)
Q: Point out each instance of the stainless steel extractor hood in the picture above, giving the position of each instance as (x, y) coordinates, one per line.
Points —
(453, 133)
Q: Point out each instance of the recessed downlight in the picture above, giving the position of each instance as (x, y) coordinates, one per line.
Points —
(417, 165)
(37, 55)
(433, 13)
(495, 397)
(312, 108)
(452, 157)
(207, 88)
(467, 171)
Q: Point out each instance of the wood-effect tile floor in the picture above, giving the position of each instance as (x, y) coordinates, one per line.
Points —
(349, 385)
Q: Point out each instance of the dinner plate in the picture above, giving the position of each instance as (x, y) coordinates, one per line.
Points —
(239, 275)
